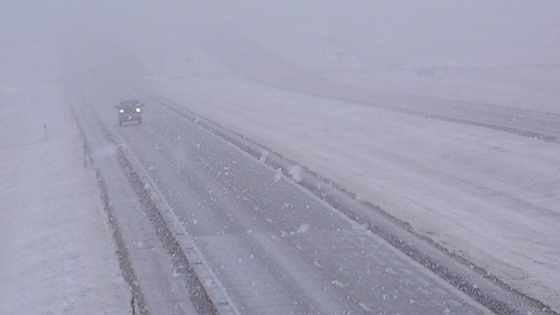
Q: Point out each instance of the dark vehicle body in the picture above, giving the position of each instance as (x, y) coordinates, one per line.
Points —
(130, 111)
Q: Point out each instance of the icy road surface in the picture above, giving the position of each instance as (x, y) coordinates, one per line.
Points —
(275, 248)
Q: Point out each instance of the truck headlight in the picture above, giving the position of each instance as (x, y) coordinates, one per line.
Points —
(138, 109)
(121, 111)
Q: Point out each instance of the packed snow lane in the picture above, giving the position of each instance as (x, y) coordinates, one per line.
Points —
(275, 248)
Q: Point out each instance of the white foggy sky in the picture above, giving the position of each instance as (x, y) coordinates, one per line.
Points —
(430, 33)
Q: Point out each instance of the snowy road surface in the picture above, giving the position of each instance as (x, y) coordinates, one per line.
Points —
(469, 188)
(275, 249)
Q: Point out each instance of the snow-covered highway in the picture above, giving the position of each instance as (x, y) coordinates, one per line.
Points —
(315, 157)
(275, 248)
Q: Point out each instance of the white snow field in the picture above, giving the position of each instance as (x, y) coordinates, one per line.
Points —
(57, 250)
(57, 253)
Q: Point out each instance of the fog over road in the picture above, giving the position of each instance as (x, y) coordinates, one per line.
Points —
(322, 157)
